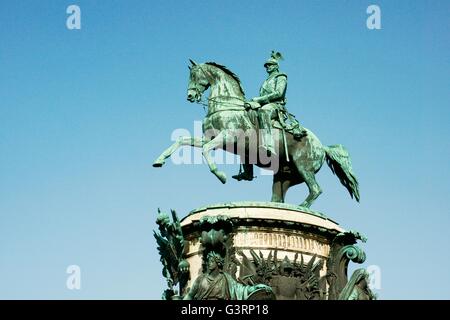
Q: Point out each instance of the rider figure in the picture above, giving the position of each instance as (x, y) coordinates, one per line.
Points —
(270, 102)
(271, 99)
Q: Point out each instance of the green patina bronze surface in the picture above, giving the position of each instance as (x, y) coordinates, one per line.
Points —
(343, 250)
(218, 278)
(289, 280)
(263, 133)
(271, 105)
(241, 126)
(225, 276)
(215, 284)
(261, 204)
(171, 246)
(357, 288)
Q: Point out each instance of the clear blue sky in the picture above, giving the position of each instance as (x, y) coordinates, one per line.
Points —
(84, 113)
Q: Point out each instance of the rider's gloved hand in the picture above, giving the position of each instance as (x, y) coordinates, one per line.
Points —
(252, 105)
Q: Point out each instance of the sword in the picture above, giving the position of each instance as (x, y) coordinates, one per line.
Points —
(284, 135)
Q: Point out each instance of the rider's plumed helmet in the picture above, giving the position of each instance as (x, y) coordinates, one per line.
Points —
(274, 58)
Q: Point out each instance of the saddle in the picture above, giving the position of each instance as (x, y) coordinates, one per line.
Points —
(282, 120)
(289, 123)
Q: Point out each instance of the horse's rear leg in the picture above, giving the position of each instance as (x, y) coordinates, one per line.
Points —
(181, 141)
(279, 187)
(310, 180)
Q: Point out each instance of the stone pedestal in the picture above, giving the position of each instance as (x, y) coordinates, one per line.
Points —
(278, 232)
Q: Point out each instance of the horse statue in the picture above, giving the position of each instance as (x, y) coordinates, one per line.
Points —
(232, 126)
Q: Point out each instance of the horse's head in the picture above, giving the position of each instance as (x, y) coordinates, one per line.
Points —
(198, 82)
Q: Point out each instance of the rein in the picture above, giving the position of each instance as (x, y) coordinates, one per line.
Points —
(205, 103)
(238, 106)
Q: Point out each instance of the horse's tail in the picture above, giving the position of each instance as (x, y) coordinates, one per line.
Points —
(339, 162)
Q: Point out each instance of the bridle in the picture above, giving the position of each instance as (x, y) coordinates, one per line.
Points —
(196, 85)
(204, 102)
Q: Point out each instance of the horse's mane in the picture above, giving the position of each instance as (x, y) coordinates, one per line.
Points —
(228, 72)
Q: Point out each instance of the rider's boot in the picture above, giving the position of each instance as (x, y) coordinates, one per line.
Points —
(247, 174)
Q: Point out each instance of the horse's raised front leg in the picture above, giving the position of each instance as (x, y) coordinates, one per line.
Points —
(219, 141)
(181, 141)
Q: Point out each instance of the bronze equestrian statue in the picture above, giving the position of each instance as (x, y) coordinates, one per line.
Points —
(242, 127)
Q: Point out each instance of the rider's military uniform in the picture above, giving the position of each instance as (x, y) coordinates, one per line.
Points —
(272, 97)
(272, 101)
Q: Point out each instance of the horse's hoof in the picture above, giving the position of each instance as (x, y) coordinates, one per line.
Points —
(305, 205)
(222, 176)
(158, 163)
